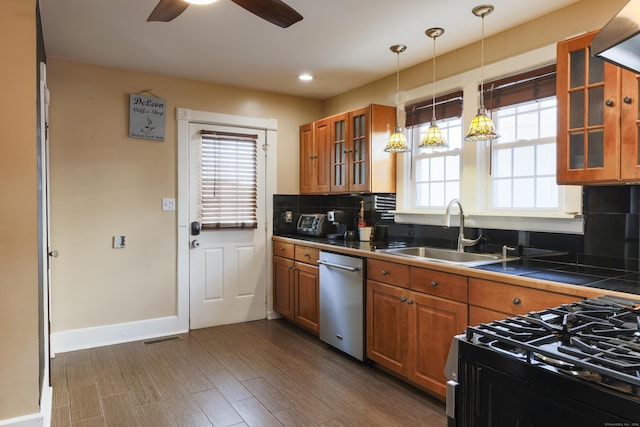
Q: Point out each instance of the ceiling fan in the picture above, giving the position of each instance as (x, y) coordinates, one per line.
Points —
(274, 11)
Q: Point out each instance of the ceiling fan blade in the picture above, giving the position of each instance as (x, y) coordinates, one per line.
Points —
(167, 10)
(274, 11)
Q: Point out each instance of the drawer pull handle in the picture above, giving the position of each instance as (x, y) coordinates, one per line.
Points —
(516, 301)
(306, 254)
(281, 248)
(434, 283)
(402, 299)
(410, 301)
(385, 272)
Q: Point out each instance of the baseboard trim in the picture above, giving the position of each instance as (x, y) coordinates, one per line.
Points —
(271, 315)
(40, 419)
(80, 339)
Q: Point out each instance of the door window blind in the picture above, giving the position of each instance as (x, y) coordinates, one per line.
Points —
(228, 180)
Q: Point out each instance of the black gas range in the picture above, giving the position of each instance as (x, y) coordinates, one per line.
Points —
(576, 364)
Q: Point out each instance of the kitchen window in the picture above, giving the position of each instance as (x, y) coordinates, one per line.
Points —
(523, 160)
(228, 180)
(437, 172)
(507, 183)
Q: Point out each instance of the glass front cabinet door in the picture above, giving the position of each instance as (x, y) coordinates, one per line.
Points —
(597, 117)
(358, 161)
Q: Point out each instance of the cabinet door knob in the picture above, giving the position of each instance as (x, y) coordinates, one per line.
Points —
(402, 299)
(434, 283)
(609, 102)
(627, 100)
(281, 248)
(410, 301)
(516, 301)
(385, 272)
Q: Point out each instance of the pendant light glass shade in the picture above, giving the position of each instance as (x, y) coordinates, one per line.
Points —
(397, 142)
(482, 128)
(434, 137)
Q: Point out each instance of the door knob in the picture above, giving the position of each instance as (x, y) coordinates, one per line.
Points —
(195, 244)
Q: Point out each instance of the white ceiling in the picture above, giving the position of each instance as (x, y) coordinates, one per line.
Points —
(343, 43)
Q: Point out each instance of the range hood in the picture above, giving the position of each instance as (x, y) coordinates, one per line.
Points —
(618, 41)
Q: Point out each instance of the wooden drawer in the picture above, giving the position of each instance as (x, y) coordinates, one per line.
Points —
(446, 285)
(513, 299)
(307, 255)
(283, 249)
(388, 272)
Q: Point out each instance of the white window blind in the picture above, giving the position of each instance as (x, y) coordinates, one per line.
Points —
(228, 180)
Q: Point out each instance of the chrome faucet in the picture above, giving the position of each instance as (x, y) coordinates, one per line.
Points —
(446, 222)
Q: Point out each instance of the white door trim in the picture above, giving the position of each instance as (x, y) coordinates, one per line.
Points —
(184, 116)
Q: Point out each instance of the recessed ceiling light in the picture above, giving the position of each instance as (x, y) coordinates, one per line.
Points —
(305, 77)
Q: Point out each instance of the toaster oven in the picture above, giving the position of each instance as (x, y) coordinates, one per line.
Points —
(313, 224)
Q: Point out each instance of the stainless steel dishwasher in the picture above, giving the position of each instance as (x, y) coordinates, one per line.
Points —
(341, 302)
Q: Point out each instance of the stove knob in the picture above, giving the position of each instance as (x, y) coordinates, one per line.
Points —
(516, 301)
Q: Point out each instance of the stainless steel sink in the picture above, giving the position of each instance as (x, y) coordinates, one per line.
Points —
(446, 256)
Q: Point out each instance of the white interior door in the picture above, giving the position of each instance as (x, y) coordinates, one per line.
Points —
(227, 267)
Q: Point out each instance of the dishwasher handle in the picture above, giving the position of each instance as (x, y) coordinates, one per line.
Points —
(340, 266)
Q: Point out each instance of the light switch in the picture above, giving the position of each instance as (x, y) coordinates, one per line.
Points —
(288, 216)
(168, 204)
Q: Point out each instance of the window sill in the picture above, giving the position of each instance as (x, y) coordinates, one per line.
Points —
(568, 223)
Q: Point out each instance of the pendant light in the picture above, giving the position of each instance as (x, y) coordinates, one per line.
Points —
(434, 138)
(397, 142)
(481, 128)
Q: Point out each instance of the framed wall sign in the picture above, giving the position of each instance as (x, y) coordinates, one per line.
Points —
(147, 117)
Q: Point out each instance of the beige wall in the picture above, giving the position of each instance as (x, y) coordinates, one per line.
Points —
(104, 184)
(582, 16)
(19, 388)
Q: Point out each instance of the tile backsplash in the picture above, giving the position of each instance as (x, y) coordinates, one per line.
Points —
(611, 238)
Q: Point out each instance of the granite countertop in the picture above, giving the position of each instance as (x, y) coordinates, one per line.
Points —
(546, 265)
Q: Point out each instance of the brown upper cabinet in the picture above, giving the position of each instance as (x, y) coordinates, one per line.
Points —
(347, 149)
(314, 157)
(598, 117)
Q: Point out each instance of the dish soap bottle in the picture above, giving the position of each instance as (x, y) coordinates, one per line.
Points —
(361, 221)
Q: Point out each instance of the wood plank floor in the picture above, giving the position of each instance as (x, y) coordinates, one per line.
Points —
(263, 373)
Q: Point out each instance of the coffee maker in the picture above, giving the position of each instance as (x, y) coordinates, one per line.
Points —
(340, 219)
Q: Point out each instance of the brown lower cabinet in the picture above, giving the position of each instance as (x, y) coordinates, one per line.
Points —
(410, 332)
(296, 284)
(489, 300)
(412, 313)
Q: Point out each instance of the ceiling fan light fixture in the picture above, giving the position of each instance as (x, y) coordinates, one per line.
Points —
(397, 142)
(482, 128)
(201, 1)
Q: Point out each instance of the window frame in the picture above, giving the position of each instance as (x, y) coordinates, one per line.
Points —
(475, 161)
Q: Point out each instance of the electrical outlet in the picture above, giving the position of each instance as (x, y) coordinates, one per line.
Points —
(288, 216)
(119, 242)
(168, 204)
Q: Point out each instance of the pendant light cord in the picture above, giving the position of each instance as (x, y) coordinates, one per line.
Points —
(433, 90)
(397, 90)
(482, 65)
